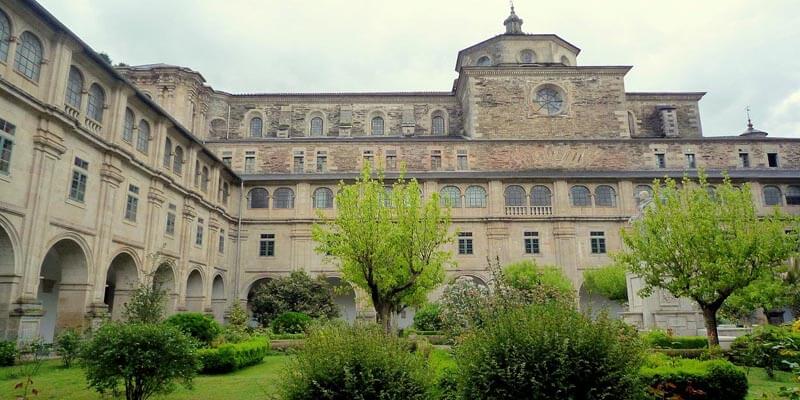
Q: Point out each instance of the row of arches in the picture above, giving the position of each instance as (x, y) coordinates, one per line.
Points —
(377, 125)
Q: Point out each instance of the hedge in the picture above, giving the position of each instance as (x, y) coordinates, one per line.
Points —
(232, 356)
(8, 353)
(669, 378)
(661, 340)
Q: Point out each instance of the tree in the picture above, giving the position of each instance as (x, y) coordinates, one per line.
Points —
(297, 292)
(705, 244)
(769, 293)
(387, 241)
(147, 302)
(608, 281)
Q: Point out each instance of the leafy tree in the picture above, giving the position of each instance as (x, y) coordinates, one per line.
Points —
(609, 282)
(145, 359)
(538, 284)
(68, 345)
(146, 304)
(297, 292)
(767, 293)
(387, 241)
(705, 244)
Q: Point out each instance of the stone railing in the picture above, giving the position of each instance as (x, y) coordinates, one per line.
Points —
(529, 210)
(92, 124)
(72, 111)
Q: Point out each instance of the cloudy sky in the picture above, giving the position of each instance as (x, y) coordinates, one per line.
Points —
(742, 52)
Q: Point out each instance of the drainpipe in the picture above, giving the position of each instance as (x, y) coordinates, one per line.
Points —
(239, 242)
(228, 125)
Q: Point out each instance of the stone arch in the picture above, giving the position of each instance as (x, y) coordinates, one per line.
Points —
(218, 297)
(440, 113)
(308, 123)
(345, 298)
(474, 278)
(250, 289)
(122, 278)
(194, 290)
(63, 288)
(10, 276)
(164, 278)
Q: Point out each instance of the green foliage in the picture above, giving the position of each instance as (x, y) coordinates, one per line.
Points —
(68, 346)
(550, 351)
(659, 339)
(677, 378)
(291, 322)
(8, 353)
(146, 305)
(199, 326)
(769, 292)
(145, 359)
(428, 317)
(236, 330)
(343, 362)
(387, 242)
(229, 357)
(705, 246)
(608, 282)
(297, 292)
(538, 284)
(768, 347)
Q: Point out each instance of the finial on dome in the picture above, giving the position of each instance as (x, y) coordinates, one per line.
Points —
(750, 131)
(513, 23)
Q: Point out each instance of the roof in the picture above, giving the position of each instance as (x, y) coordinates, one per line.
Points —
(524, 36)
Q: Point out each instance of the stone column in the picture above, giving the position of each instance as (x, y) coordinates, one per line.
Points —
(496, 199)
(566, 247)
(153, 230)
(189, 215)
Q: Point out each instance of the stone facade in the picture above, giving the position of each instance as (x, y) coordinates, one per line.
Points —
(111, 166)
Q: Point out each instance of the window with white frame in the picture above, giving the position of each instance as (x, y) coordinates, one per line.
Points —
(436, 160)
(450, 196)
(541, 196)
(132, 203)
(605, 196)
(772, 195)
(691, 161)
(437, 125)
(581, 196)
(475, 197)
(744, 160)
(198, 237)
(298, 162)
(322, 161)
(127, 126)
(97, 103)
(143, 138)
(465, 243)
(316, 126)
(391, 160)
(323, 198)
(74, 88)
(5, 36)
(376, 126)
(7, 131)
(597, 241)
(77, 186)
(515, 196)
(169, 228)
(462, 160)
(256, 127)
(249, 162)
(283, 198)
(531, 242)
(258, 198)
(266, 245)
(28, 60)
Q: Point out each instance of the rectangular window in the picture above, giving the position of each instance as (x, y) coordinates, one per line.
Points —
(465, 243)
(462, 160)
(77, 187)
(661, 161)
(436, 160)
(598, 242)
(198, 237)
(6, 145)
(369, 158)
(744, 160)
(691, 163)
(249, 162)
(298, 164)
(531, 242)
(266, 247)
(221, 241)
(227, 160)
(170, 227)
(772, 160)
(391, 160)
(322, 161)
(132, 204)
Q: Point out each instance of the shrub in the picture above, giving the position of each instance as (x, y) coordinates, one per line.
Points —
(232, 356)
(297, 292)
(538, 284)
(463, 304)
(609, 282)
(669, 378)
(146, 359)
(68, 346)
(290, 322)
(343, 362)
(197, 325)
(428, 317)
(659, 339)
(767, 347)
(553, 352)
(8, 353)
(796, 326)
(146, 305)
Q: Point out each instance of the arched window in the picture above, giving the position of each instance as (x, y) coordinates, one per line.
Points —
(5, 36)
(74, 88)
(323, 198)
(450, 196)
(258, 198)
(377, 126)
(437, 125)
(97, 100)
(527, 57)
(28, 60)
(143, 138)
(484, 61)
(581, 196)
(316, 126)
(167, 153)
(541, 196)
(256, 127)
(177, 162)
(515, 196)
(284, 198)
(637, 192)
(793, 195)
(605, 196)
(475, 197)
(127, 127)
(631, 123)
(565, 60)
(204, 182)
(772, 196)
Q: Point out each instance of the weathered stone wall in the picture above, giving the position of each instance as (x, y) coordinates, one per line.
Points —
(647, 119)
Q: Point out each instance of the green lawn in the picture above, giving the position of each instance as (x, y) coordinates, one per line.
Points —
(55, 382)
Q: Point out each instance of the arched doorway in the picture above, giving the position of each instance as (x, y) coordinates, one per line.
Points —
(218, 298)
(63, 288)
(121, 280)
(194, 291)
(254, 287)
(345, 298)
(164, 279)
(9, 280)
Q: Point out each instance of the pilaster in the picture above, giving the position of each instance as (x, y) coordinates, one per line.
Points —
(110, 179)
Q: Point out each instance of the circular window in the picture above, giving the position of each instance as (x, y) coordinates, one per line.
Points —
(484, 61)
(549, 101)
(527, 57)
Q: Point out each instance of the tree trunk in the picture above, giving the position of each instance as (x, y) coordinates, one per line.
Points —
(383, 315)
(710, 317)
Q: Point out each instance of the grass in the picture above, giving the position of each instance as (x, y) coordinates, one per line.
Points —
(256, 382)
